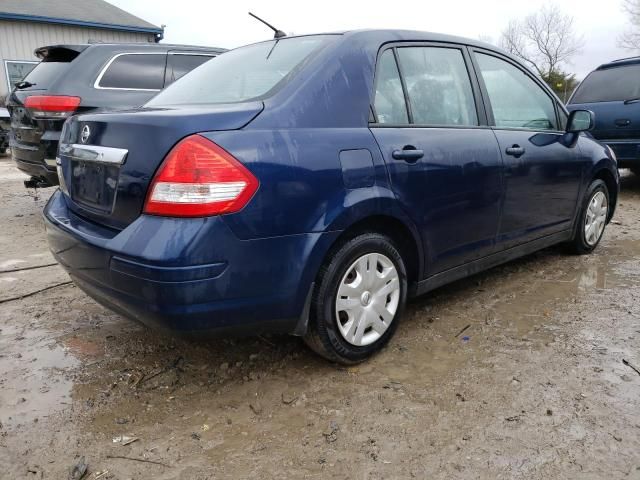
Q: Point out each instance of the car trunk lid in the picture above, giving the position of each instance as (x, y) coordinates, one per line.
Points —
(107, 160)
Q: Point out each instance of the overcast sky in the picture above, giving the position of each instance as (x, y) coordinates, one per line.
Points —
(226, 23)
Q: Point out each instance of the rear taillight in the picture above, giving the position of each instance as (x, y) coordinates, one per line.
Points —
(198, 178)
(52, 106)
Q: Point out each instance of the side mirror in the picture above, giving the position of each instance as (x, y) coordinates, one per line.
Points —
(581, 121)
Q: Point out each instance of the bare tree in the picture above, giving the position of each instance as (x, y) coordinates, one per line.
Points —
(545, 40)
(631, 38)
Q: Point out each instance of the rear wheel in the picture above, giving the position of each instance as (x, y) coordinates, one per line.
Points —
(361, 292)
(593, 218)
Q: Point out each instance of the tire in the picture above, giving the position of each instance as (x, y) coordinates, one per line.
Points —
(372, 273)
(586, 240)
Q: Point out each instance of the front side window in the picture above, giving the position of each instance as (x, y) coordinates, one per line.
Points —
(244, 74)
(517, 100)
(134, 72)
(438, 86)
(389, 104)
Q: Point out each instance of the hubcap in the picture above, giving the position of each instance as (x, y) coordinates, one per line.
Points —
(367, 299)
(596, 218)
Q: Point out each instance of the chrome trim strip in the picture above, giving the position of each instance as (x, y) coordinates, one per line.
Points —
(94, 153)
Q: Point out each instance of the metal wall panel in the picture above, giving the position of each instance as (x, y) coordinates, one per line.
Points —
(18, 40)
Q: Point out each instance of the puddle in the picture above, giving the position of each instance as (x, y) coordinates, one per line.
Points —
(34, 381)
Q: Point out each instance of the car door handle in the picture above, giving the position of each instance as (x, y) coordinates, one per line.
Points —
(408, 154)
(515, 151)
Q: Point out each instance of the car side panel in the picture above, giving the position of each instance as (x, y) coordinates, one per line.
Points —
(453, 194)
(302, 180)
(617, 125)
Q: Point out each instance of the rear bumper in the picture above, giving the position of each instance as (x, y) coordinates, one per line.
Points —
(191, 276)
(38, 170)
(31, 159)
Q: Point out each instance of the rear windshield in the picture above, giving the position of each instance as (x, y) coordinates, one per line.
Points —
(609, 85)
(247, 73)
(43, 75)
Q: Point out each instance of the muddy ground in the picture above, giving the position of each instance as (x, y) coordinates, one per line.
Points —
(534, 388)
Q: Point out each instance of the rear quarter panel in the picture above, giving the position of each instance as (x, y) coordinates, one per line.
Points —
(302, 187)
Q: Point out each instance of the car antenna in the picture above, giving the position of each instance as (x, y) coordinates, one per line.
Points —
(277, 34)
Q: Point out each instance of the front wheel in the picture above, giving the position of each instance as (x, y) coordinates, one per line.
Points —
(360, 293)
(593, 218)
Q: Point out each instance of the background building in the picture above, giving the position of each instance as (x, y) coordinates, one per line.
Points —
(28, 24)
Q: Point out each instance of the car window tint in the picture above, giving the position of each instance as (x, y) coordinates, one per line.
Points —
(389, 102)
(139, 71)
(609, 85)
(516, 100)
(438, 86)
(179, 64)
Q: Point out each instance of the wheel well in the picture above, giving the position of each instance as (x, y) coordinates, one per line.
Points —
(607, 177)
(397, 231)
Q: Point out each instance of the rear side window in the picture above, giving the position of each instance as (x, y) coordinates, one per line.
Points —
(389, 105)
(438, 86)
(246, 73)
(179, 64)
(134, 71)
(516, 99)
(610, 85)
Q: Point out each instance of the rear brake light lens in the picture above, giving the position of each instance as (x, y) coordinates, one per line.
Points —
(198, 178)
(52, 106)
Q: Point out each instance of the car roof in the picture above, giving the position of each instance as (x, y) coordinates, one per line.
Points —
(382, 36)
(152, 46)
(416, 35)
(620, 63)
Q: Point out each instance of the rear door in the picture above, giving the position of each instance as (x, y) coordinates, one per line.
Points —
(443, 161)
(542, 172)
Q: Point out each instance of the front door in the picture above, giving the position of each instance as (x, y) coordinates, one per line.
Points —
(542, 170)
(444, 166)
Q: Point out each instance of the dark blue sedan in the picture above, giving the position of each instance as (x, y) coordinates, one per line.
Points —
(311, 184)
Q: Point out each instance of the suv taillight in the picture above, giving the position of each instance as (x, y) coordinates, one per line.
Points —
(52, 106)
(197, 179)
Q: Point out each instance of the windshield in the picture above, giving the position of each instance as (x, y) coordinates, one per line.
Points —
(247, 73)
(609, 85)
